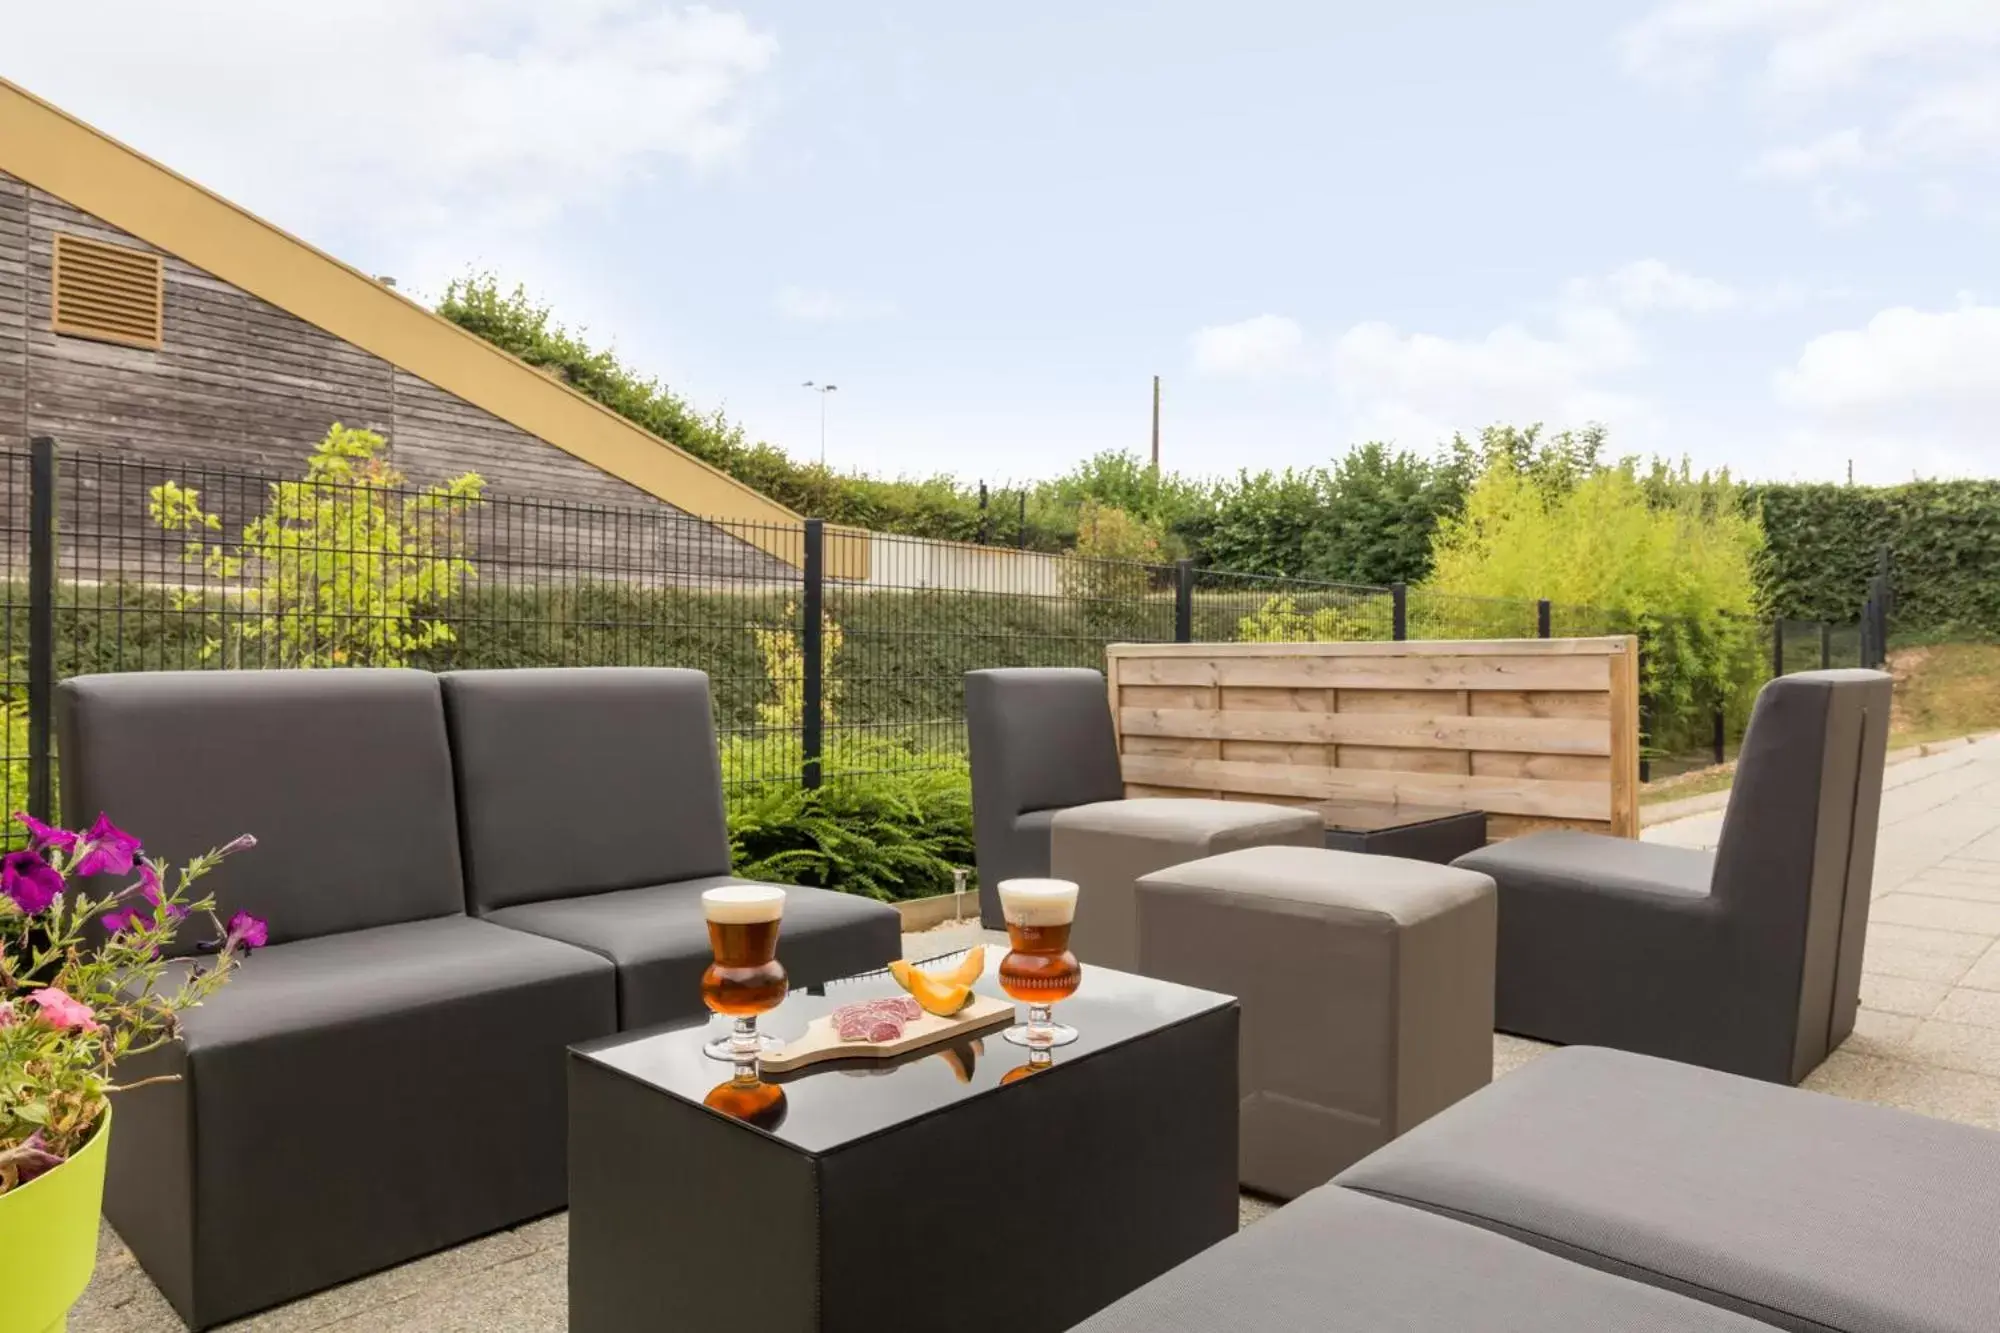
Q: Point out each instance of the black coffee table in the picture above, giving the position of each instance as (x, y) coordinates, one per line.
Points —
(957, 1190)
(1420, 834)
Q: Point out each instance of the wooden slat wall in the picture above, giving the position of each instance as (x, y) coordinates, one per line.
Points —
(1539, 733)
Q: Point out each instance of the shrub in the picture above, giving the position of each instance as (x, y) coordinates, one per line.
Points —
(339, 566)
(1668, 556)
(1115, 556)
(891, 822)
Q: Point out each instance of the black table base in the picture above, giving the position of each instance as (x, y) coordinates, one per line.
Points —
(1441, 840)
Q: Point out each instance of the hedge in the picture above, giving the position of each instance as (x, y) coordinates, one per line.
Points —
(1943, 536)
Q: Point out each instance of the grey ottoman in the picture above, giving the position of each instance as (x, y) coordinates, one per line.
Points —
(1366, 985)
(1104, 847)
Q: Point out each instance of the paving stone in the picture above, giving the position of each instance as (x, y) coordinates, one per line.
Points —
(1957, 943)
(1907, 908)
(1984, 974)
(1916, 964)
(1939, 886)
(1879, 1033)
(1900, 995)
(1981, 1008)
(1961, 1046)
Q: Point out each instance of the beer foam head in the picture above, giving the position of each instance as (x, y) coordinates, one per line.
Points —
(743, 904)
(1038, 902)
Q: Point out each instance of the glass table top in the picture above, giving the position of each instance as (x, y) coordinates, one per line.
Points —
(837, 1102)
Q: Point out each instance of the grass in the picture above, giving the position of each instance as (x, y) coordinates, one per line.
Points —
(1943, 691)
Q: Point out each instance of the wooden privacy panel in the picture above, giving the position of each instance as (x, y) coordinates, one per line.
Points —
(1538, 733)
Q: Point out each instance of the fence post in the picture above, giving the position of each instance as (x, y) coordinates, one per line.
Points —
(1399, 611)
(1542, 618)
(985, 523)
(1777, 646)
(1021, 542)
(1720, 743)
(41, 621)
(812, 659)
(1825, 645)
(1645, 713)
(1184, 601)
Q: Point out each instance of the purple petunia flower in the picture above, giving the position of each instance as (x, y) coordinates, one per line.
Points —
(29, 881)
(107, 849)
(42, 835)
(247, 931)
(34, 1158)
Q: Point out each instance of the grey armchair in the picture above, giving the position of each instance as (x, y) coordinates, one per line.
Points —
(383, 1080)
(590, 808)
(1041, 740)
(1746, 960)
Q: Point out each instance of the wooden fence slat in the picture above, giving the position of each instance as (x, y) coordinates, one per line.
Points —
(1508, 796)
(1528, 735)
(1575, 672)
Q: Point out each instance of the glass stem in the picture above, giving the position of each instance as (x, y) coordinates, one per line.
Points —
(744, 1036)
(1039, 1022)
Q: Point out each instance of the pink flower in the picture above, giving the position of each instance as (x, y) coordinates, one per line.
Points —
(6, 1014)
(42, 835)
(30, 881)
(248, 931)
(133, 918)
(106, 850)
(59, 1010)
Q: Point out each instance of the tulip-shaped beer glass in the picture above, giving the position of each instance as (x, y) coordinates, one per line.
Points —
(745, 979)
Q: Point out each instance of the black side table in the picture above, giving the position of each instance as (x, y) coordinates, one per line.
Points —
(968, 1188)
(1418, 834)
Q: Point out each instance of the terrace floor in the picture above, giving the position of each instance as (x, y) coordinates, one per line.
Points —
(1928, 1040)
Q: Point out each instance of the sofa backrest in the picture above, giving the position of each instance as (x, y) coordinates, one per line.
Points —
(1795, 864)
(1041, 739)
(578, 780)
(342, 775)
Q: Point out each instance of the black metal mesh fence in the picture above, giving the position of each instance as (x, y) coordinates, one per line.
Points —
(179, 565)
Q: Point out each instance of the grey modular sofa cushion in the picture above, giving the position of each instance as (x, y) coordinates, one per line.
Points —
(350, 1102)
(1803, 1210)
(1041, 739)
(582, 780)
(658, 937)
(1334, 1261)
(343, 776)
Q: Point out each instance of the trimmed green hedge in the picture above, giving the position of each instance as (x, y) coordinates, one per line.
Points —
(1944, 537)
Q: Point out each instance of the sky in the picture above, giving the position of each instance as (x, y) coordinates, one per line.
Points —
(1755, 233)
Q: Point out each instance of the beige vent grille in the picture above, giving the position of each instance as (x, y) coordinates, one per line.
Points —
(107, 292)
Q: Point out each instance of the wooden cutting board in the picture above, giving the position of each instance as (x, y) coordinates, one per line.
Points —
(821, 1040)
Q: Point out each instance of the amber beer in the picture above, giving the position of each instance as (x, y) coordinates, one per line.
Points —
(745, 979)
(1039, 970)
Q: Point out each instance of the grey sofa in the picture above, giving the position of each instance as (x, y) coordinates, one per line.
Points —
(590, 807)
(1606, 1191)
(1041, 740)
(1747, 959)
(386, 1078)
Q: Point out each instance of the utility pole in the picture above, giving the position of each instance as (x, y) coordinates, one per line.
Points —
(1156, 424)
(822, 390)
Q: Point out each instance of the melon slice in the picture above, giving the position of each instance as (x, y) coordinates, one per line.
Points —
(942, 996)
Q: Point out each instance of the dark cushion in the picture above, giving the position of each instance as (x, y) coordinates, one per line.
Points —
(582, 780)
(351, 1102)
(343, 776)
(1566, 859)
(1041, 737)
(1803, 1210)
(1334, 1261)
(659, 940)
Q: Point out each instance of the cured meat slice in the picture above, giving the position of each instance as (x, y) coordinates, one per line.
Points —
(875, 1020)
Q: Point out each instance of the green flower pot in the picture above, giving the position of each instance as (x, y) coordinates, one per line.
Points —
(48, 1239)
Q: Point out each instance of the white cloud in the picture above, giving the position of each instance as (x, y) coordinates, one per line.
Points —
(1834, 207)
(1418, 387)
(1260, 345)
(1913, 83)
(398, 115)
(1839, 151)
(816, 305)
(1910, 392)
(1650, 284)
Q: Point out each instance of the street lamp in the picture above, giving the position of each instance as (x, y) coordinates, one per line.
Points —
(822, 390)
